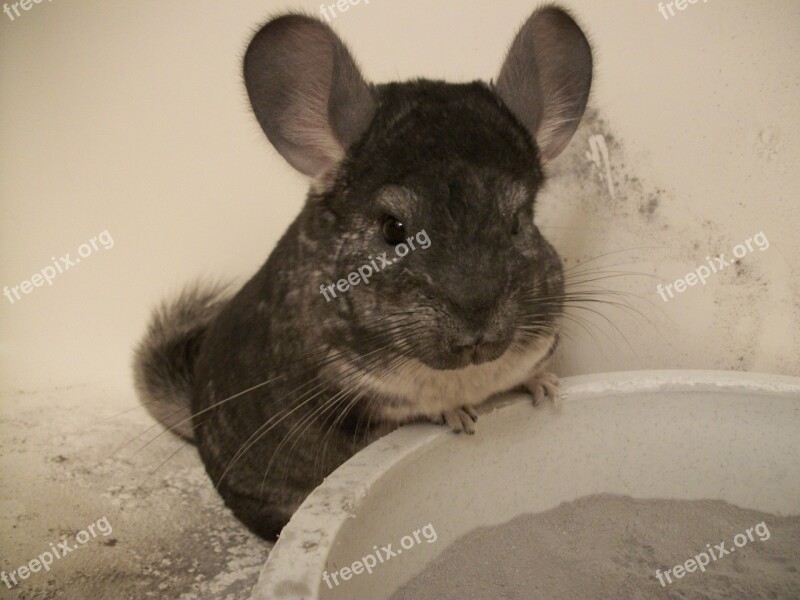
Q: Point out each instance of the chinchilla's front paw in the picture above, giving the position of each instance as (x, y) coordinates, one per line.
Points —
(458, 420)
(544, 385)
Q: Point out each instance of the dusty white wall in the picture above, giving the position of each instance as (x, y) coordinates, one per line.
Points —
(132, 118)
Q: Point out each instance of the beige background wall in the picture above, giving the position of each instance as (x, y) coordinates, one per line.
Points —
(131, 117)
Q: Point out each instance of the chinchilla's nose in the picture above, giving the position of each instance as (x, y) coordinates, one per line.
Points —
(465, 341)
(482, 346)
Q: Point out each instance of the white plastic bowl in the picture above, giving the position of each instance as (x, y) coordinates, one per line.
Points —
(647, 434)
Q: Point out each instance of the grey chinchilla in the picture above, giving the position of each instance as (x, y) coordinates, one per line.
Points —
(295, 372)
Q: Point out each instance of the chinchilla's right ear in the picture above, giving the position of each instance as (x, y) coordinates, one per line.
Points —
(546, 78)
(307, 92)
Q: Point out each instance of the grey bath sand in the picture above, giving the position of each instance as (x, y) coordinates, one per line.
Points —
(607, 546)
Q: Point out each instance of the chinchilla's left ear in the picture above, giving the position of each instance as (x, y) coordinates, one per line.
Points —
(546, 78)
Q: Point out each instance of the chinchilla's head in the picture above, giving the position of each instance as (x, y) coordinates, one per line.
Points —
(423, 193)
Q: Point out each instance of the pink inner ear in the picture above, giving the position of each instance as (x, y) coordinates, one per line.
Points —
(308, 70)
(317, 148)
(558, 124)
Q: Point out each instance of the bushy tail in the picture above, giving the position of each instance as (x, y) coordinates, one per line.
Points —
(164, 360)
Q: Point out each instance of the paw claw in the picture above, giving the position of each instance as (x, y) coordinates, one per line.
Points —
(458, 420)
(544, 385)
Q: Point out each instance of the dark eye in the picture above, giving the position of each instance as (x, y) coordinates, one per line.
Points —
(394, 231)
(515, 224)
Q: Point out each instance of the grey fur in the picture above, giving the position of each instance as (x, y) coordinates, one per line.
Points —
(285, 386)
(164, 359)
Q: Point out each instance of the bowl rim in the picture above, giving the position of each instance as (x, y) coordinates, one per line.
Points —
(294, 566)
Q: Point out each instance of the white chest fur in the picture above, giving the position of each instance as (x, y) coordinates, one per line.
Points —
(429, 392)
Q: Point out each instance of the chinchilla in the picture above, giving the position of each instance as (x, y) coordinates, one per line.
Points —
(430, 184)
